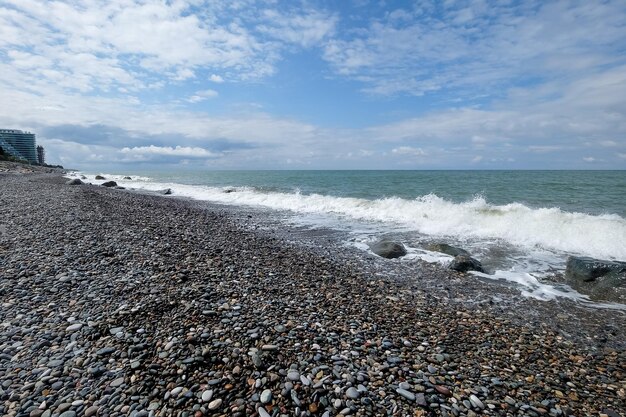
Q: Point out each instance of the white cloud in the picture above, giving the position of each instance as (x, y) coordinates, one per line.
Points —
(180, 151)
(202, 95)
(589, 159)
(304, 29)
(480, 47)
(216, 78)
(407, 150)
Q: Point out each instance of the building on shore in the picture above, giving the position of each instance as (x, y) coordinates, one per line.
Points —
(41, 155)
(19, 144)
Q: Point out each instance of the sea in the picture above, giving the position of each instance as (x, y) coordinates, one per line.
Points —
(521, 225)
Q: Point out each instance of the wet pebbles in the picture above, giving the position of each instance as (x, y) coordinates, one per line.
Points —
(118, 304)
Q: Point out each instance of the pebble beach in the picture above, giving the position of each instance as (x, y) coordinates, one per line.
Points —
(115, 303)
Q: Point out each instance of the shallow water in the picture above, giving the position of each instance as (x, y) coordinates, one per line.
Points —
(522, 225)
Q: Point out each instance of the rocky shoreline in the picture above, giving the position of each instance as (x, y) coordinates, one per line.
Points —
(116, 303)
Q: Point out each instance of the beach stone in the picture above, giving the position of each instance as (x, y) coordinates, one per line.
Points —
(600, 280)
(109, 184)
(352, 393)
(293, 375)
(266, 396)
(447, 249)
(464, 263)
(587, 269)
(117, 382)
(100, 177)
(74, 181)
(69, 413)
(263, 412)
(215, 404)
(91, 411)
(388, 249)
(476, 401)
(73, 327)
(406, 394)
(207, 395)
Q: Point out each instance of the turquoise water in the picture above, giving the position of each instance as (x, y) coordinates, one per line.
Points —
(593, 192)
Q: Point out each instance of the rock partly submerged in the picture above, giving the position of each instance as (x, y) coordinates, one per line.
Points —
(601, 280)
(74, 181)
(462, 261)
(109, 184)
(388, 249)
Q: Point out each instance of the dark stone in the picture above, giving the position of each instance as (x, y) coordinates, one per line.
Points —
(464, 263)
(388, 249)
(109, 184)
(447, 249)
(167, 191)
(100, 177)
(74, 181)
(127, 178)
(589, 269)
(600, 280)
(611, 413)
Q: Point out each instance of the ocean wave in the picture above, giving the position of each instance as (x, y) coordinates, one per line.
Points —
(598, 236)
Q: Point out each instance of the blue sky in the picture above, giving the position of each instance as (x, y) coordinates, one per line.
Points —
(204, 84)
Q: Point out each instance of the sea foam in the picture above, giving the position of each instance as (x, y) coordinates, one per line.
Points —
(598, 236)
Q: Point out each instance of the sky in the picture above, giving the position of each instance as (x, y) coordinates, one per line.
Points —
(132, 85)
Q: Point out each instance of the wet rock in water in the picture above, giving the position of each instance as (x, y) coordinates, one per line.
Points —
(588, 269)
(109, 184)
(100, 177)
(388, 249)
(74, 181)
(601, 280)
(127, 178)
(167, 191)
(447, 249)
(464, 263)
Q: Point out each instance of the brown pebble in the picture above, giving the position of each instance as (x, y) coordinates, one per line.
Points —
(313, 408)
(443, 390)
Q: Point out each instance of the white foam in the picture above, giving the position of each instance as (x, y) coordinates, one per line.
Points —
(600, 236)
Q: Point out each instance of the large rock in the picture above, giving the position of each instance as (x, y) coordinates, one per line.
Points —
(388, 249)
(588, 269)
(600, 280)
(74, 181)
(464, 263)
(447, 249)
(100, 177)
(109, 184)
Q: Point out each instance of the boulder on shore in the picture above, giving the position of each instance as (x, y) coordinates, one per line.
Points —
(464, 263)
(601, 280)
(388, 249)
(167, 191)
(100, 177)
(109, 184)
(447, 249)
(74, 181)
(127, 178)
(588, 269)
